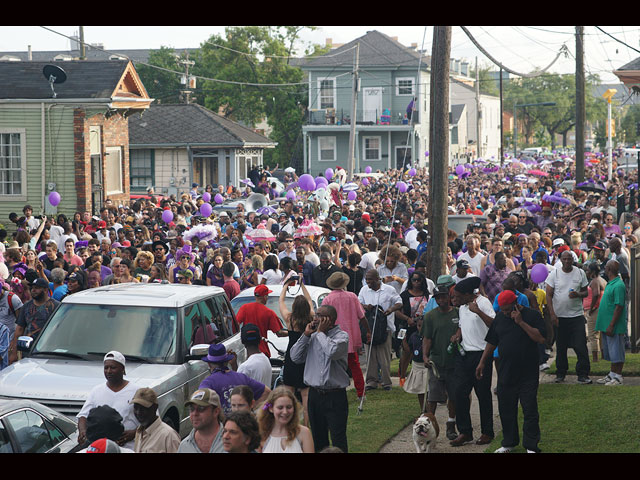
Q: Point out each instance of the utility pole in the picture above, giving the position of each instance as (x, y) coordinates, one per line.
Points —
(580, 105)
(439, 152)
(478, 112)
(83, 52)
(501, 125)
(354, 104)
(187, 63)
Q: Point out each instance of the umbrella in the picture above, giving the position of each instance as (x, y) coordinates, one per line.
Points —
(350, 187)
(247, 181)
(266, 210)
(307, 229)
(557, 163)
(521, 178)
(206, 232)
(591, 187)
(519, 210)
(290, 170)
(539, 173)
(557, 199)
(260, 233)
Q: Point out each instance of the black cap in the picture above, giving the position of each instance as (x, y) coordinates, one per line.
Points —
(104, 422)
(468, 285)
(250, 334)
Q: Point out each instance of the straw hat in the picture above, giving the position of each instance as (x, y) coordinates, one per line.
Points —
(337, 281)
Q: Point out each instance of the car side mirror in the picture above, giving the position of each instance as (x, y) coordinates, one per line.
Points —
(198, 351)
(24, 343)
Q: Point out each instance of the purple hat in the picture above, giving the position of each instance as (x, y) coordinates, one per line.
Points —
(20, 267)
(218, 354)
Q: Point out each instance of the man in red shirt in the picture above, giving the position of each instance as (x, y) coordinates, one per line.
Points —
(259, 314)
(231, 287)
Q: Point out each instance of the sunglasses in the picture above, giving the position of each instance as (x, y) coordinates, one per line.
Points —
(197, 408)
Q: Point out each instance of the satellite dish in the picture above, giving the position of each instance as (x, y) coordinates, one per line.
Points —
(54, 74)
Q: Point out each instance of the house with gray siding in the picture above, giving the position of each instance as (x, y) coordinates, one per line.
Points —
(74, 142)
(392, 110)
(172, 146)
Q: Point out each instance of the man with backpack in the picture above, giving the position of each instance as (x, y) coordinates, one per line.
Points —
(380, 302)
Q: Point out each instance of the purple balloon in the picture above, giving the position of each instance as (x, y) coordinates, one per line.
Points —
(328, 173)
(321, 181)
(218, 198)
(352, 195)
(426, 154)
(460, 169)
(412, 172)
(54, 198)
(206, 209)
(367, 169)
(539, 273)
(307, 183)
(401, 186)
(206, 196)
(365, 181)
(167, 216)
(291, 195)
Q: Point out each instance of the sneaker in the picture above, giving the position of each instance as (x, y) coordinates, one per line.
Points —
(604, 380)
(544, 366)
(559, 379)
(585, 380)
(504, 450)
(614, 382)
(451, 430)
(531, 451)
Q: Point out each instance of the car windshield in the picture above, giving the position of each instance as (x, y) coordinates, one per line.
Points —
(145, 332)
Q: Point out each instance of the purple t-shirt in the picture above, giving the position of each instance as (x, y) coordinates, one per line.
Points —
(224, 381)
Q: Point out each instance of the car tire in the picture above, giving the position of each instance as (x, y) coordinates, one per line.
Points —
(169, 420)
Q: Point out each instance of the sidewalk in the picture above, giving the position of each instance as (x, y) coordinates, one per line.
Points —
(403, 441)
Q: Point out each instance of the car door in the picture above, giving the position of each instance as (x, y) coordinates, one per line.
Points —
(224, 316)
(194, 334)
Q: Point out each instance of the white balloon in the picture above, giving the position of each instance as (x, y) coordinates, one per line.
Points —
(324, 205)
(321, 192)
(334, 186)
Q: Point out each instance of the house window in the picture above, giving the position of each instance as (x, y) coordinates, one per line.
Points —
(372, 148)
(141, 168)
(327, 95)
(404, 86)
(12, 163)
(327, 149)
(454, 135)
(113, 171)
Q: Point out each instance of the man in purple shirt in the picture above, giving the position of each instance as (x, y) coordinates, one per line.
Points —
(492, 276)
(223, 380)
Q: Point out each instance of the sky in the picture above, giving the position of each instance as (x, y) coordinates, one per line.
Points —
(522, 49)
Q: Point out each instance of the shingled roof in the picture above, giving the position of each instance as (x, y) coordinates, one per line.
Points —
(376, 50)
(25, 80)
(180, 124)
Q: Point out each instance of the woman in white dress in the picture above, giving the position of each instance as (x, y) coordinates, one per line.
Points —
(280, 428)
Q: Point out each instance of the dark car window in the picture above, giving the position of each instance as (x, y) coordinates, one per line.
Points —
(30, 431)
(226, 315)
(192, 325)
(213, 333)
(5, 443)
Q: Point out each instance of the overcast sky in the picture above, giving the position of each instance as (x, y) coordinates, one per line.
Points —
(520, 48)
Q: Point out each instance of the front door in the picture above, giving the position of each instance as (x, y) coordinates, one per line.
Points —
(96, 184)
(403, 157)
(371, 104)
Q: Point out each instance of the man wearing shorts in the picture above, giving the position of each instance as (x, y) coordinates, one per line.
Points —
(612, 322)
(438, 328)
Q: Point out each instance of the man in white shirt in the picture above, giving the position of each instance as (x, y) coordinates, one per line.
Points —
(373, 294)
(370, 258)
(32, 222)
(115, 392)
(473, 254)
(566, 288)
(257, 365)
(476, 315)
(309, 254)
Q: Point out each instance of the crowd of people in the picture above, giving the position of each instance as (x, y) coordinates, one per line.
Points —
(542, 255)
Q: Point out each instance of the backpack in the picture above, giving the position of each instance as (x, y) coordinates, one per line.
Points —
(379, 334)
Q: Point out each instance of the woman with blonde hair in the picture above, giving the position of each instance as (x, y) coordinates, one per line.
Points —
(280, 429)
(142, 264)
(252, 271)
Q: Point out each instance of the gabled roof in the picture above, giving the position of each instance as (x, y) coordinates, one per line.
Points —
(180, 124)
(376, 50)
(85, 80)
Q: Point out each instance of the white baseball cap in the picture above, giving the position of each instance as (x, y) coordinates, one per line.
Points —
(116, 357)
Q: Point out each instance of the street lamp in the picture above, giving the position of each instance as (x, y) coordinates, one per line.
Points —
(608, 95)
(515, 121)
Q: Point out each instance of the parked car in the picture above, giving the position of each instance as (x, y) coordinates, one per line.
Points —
(163, 330)
(279, 343)
(30, 427)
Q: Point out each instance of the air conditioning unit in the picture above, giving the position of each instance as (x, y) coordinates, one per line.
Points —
(317, 116)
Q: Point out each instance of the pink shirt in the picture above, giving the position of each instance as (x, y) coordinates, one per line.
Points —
(350, 312)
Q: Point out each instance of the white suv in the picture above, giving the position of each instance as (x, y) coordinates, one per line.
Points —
(162, 329)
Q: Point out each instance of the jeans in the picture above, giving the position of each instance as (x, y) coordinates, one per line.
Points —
(571, 334)
(328, 413)
(465, 381)
(526, 393)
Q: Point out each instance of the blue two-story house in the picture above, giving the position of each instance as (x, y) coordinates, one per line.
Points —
(392, 106)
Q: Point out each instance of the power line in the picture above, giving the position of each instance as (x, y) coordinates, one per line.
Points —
(619, 41)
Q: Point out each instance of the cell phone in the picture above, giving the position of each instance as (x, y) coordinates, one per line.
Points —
(402, 333)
